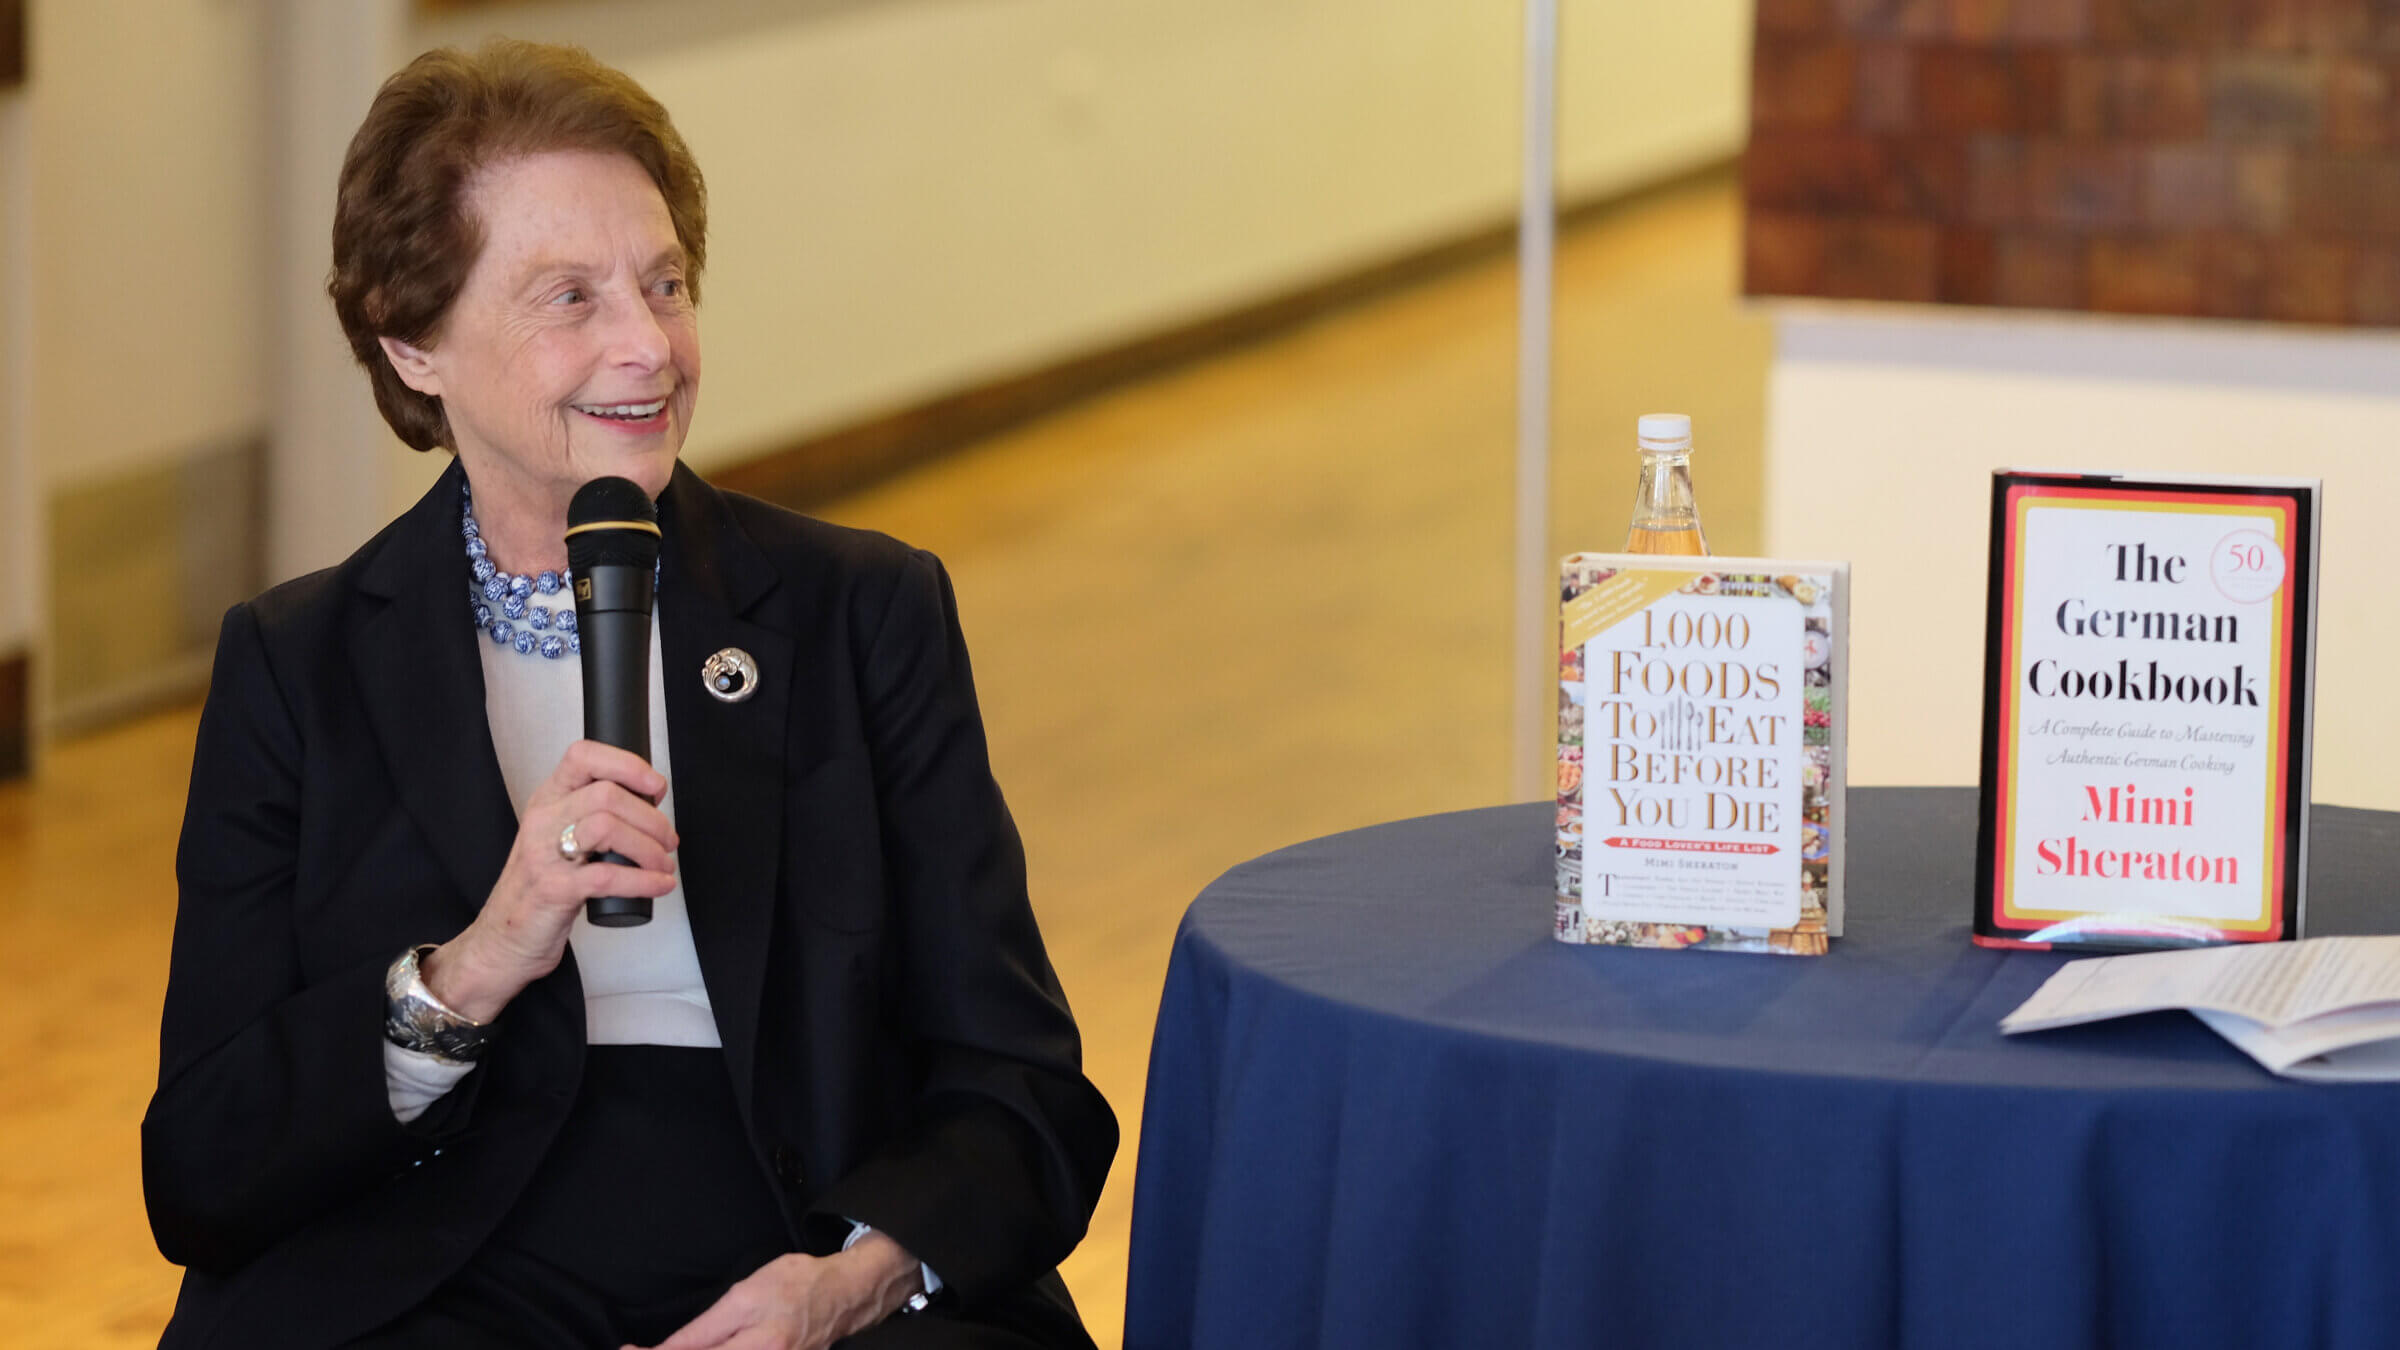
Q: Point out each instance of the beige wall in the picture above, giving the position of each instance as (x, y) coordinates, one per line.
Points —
(912, 194)
(147, 225)
(909, 195)
(1883, 429)
(138, 297)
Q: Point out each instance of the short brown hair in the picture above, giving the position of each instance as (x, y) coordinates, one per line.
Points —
(403, 238)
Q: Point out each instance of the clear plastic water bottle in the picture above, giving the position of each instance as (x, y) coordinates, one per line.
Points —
(1665, 518)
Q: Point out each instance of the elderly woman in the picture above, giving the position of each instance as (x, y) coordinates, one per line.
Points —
(407, 1094)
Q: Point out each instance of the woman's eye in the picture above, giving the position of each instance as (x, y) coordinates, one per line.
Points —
(568, 297)
(672, 286)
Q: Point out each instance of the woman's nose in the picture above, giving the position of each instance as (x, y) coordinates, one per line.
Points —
(635, 336)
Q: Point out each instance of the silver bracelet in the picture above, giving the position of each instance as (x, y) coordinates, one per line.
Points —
(414, 1019)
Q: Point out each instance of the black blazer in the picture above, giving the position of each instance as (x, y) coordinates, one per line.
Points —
(898, 1043)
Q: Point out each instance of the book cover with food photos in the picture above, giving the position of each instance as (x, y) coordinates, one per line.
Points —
(1700, 752)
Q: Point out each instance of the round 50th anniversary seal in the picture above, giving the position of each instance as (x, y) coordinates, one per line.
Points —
(2247, 566)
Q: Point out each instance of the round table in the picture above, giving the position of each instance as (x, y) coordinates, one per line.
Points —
(1386, 1109)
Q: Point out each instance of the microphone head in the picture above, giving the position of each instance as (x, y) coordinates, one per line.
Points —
(611, 521)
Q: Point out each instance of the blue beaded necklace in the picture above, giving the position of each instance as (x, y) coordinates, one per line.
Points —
(501, 602)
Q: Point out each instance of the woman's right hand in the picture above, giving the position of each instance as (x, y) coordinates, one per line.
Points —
(520, 936)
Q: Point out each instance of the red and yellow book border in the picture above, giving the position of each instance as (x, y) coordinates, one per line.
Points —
(2022, 499)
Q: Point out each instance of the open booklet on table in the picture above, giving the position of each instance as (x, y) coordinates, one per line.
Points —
(2326, 1009)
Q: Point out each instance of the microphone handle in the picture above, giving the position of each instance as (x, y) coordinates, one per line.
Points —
(616, 711)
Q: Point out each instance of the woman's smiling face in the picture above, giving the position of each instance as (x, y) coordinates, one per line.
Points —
(572, 352)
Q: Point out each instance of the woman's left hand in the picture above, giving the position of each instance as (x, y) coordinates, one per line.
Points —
(801, 1302)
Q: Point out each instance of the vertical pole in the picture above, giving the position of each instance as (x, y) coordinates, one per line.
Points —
(24, 489)
(1535, 689)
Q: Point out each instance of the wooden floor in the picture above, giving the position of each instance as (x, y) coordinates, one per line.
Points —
(1248, 604)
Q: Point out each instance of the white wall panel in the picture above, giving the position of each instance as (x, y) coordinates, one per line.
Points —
(1883, 429)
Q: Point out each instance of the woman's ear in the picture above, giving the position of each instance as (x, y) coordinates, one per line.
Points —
(414, 366)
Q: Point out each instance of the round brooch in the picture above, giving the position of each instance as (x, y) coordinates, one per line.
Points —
(729, 676)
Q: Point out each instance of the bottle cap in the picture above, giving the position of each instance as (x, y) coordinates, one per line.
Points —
(1664, 431)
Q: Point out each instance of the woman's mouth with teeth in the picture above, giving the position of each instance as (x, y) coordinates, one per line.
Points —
(622, 412)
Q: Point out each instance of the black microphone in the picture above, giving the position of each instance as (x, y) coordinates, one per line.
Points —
(612, 546)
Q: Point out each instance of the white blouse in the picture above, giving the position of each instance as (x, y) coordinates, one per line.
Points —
(641, 985)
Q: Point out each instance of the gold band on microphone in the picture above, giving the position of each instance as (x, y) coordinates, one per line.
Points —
(643, 525)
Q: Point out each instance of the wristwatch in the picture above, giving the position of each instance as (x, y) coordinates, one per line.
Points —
(414, 1019)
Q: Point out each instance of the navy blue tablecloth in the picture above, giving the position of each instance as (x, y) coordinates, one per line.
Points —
(1386, 1109)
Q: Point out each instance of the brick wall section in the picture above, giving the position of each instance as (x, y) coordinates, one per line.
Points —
(2221, 158)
